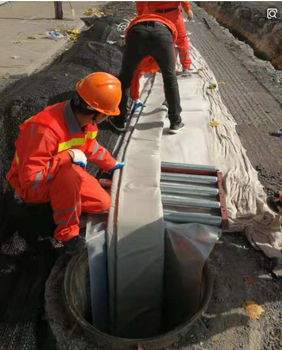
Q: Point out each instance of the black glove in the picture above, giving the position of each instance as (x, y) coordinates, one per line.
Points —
(75, 245)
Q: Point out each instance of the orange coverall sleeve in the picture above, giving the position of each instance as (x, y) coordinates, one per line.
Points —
(186, 5)
(98, 155)
(37, 163)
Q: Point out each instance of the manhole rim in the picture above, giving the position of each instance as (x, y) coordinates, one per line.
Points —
(166, 338)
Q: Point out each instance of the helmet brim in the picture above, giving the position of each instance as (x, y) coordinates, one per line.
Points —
(111, 113)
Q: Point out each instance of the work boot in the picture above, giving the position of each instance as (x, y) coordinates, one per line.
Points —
(176, 127)
(75, 245)
(117, 124)
(275, 204)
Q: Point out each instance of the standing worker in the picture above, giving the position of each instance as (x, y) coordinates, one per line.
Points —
(52, 152)
(150, 40)
(171, 11)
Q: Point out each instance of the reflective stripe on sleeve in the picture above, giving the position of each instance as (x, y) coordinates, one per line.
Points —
(32, 129)
(48, 177)
(37, 180)
(96, 146)
(71, 143)
(78, 141)
(67, 210)
(101, 155)
(16, 158)
(65, 222)
(91, 134)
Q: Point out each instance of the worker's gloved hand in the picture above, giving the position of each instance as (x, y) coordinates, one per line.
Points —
(78, 157)
(138, 104)
(190, 15)
(117, 166)
(75, 245)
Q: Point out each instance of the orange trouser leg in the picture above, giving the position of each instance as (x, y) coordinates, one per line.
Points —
(183, 43)
(73, 190)
(182, 40)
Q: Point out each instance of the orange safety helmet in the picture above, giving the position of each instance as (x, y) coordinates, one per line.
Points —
(101, 91)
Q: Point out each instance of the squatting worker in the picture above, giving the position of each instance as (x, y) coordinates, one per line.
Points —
(52, 152)
(171, 11)
(153, 37)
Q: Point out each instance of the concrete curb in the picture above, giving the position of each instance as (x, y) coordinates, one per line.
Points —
(42, 63)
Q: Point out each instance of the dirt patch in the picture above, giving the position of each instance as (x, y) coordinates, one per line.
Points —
(251, 25)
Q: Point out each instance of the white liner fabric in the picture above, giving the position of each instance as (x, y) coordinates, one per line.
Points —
(190, 145)
(221, 146)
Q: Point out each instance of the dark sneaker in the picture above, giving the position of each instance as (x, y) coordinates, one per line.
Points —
(184, 73)
(274, 204)
(176, 127)
(118, 125)
(75, 245)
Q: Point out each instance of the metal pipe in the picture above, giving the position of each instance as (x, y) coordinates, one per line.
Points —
(203, 179)
(195, 167)
(189, 202)
(199, 218)
(188, 189)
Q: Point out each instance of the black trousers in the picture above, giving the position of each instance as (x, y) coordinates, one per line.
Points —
(151, 39)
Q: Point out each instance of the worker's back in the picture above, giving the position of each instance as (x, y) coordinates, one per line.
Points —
(144, 7)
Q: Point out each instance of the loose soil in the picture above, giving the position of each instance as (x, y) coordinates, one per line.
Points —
(249, 22)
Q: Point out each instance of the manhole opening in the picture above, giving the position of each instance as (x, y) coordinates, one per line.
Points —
(180, 309)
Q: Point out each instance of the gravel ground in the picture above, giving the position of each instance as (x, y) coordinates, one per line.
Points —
(252, 97)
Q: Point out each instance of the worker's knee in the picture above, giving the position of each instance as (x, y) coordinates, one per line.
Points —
(68, 177)
(106, 203)
(170, 80)
(98, 204)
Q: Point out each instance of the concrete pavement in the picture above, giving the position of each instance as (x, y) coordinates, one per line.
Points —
(23, 27)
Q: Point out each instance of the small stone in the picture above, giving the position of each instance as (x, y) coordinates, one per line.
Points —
(215, 337)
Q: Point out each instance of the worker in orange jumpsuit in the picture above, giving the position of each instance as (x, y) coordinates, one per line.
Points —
(52, 152)
(149, 43)
(171, 11)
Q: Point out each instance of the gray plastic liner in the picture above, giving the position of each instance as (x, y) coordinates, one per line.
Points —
(187, 248)
(97, 259)
(135, 235)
